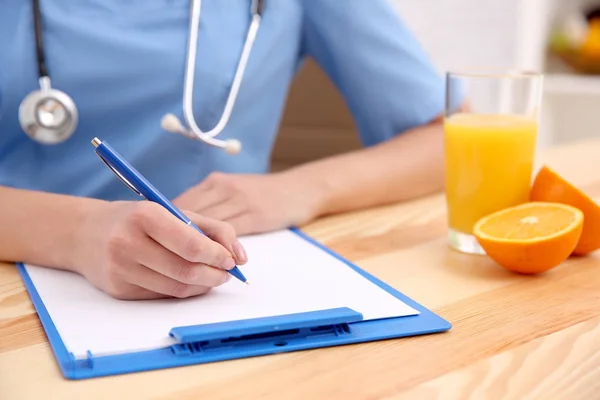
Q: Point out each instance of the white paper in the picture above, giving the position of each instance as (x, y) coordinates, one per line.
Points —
(287, 274)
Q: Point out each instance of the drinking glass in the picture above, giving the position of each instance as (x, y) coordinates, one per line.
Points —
(490, 138)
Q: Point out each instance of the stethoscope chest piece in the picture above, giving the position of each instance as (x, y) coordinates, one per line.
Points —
(48, 115)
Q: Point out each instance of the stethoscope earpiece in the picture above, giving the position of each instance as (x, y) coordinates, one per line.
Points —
(233, 146)
(172, 124)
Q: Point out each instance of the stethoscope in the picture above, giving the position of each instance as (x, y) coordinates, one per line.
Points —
(49, 116)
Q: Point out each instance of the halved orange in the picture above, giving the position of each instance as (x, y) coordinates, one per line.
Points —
(548, 186)
(532, 237)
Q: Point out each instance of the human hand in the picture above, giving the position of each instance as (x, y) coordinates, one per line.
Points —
(138, 250)
(253, 203)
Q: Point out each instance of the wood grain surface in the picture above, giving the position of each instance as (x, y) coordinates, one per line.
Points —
(513, 336)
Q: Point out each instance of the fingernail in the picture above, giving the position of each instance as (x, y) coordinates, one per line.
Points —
(229, 263)
(240, 252)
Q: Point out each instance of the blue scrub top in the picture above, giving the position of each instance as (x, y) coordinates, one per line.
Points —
(123, 62)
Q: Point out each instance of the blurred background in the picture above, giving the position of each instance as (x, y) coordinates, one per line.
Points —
(560, 38)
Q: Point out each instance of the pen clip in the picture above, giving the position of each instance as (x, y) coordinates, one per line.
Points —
(121, 177)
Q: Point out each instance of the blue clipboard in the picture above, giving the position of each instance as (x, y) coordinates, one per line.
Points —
(245, 338)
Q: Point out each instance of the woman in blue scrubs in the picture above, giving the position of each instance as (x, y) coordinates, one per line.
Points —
(123, 65)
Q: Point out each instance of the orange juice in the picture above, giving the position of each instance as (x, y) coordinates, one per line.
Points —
(489, 162)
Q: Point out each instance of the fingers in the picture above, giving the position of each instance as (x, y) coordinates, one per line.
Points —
(222, 233)
(148, 280)
(171, 233)
(225, 210)
(203, 196)
(157, 258)
(244, 224)
(134, 292)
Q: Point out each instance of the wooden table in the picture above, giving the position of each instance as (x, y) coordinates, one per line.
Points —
(513, 337)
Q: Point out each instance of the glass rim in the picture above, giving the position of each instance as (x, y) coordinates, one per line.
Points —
(494, 73)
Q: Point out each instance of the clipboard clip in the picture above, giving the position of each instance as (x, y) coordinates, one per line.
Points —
(277, 332)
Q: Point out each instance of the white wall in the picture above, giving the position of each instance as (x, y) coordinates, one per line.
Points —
(471, 34)
(461, 34)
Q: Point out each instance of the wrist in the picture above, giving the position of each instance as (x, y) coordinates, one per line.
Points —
(311, 188)
(88, 218)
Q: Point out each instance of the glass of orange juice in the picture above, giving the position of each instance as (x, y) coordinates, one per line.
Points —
(490, 136)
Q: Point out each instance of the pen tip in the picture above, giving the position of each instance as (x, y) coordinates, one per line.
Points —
(247, 283)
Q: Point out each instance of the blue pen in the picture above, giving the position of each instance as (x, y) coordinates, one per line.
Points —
(140, 185)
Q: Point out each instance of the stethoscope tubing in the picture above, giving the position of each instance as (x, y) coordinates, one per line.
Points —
(238, 77)
(39, 40)
(29, 108)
